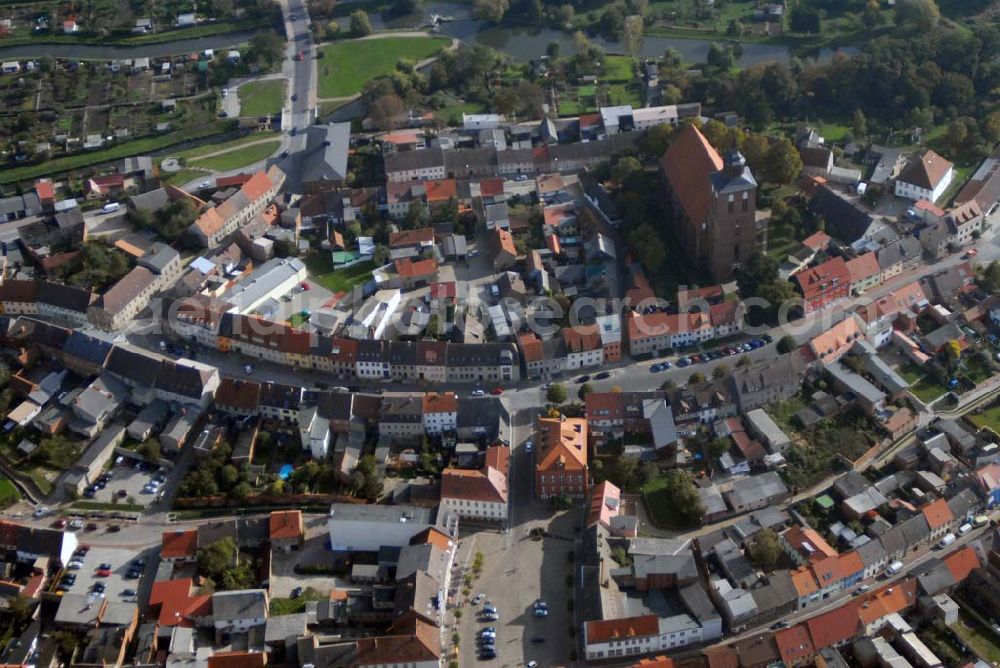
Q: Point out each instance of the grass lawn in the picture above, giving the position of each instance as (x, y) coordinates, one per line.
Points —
(618, 68)
(8, 493)
(990, 417)
(97, 505)
(452, 115)
(262, 98)
(297, 320)
(981, 640)
(41, 481)
(197, 152)
(833, 132)
(321, 270)
(240, 157)
(181, 177)
(347, 66)
(927, 390)
(910, 372)
(291, 606)
(123, 150)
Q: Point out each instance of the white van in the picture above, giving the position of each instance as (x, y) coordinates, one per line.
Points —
(948, 539)
(111, 207)
(964, 529)
(894, 567)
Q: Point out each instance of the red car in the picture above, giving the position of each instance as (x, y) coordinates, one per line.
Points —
(59, 524)
(103, 573)
(497, 391)
(300, 55)
(305, 286)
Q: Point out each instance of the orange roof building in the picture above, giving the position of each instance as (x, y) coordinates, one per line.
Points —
(962, 562)
(794, 644)
(834, 343)
(613, 631)
(237, 660)
(561, 468)
(179, 545)
(824, 283)
(479, 494)
(938, 515)
(176, 604)
(286, 529)
(804, 544)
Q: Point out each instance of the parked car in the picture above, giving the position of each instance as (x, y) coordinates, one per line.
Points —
(496, 391)
(478, 393)
(948, 539)
(478, 599)
(582, 379)
(603, 375)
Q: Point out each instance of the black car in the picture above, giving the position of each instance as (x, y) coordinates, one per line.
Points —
(603, 375)
(487, 654)
(538, 638)
(583, 379)
(767, 338)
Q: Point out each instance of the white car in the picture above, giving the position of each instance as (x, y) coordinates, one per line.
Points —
(478, 599)
(528, 445)
(74, 565)
(248, 369)
(474, 252)
(40, 512)
(76, 524)
(964, 529)
(206, 184)
(478, 393)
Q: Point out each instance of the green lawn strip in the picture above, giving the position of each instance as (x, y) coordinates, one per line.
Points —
(320, 268)
(262, 98)
(291, 606)
(979, 638)
(41, 481)
(240, 157)
(910, 372)
(123, 150)
(8, 493)
(296, 320)
(347, 66)
(990, 417)
(199, 151)
(927, 390)
(97, 505)
(183, 176)
(618, 68)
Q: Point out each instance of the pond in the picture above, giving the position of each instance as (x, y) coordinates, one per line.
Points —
(525, 42)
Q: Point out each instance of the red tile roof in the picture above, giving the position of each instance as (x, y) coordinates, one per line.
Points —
(804, 581)
(605, 500)
(807, 542)
(505, 242)
(688, 163)
(531, 347)
(285, 525)
(794, 644)
(834, 627)
(421, 237)
(409, 269)
(580, 339)
(443, 402)
(179, 544)
(488, 485)
(444, 290)
(962, 562)
(937, 513)
(491, 187)
(563, 444)
(817, 280)
(441, 190)
(177, 606)
(817, 241)
(498, 457)
(891, 598)
(231, 181)
(863, 267)
(44, 189)
(616, 629)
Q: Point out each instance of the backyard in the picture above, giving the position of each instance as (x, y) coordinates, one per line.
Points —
(345, 67)
(321, 270)
(262, 98)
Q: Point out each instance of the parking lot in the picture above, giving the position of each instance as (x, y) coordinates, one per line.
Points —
(538, 569)
(314, 552)
(116, 580)
(128, 484)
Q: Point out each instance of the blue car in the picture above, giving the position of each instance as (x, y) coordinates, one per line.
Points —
(656, 368)
(682, 362)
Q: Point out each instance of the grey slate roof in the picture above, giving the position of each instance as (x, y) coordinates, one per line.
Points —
(326, 152)
(242, 604)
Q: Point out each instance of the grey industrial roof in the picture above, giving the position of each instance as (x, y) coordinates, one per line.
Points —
(242, 604)
(326, 152)
(349, 512)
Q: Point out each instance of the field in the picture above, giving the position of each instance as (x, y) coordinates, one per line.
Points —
(237, 158)
(181, 177)
(262, 98)
(321, 270)
(8, 493)
(346, 66)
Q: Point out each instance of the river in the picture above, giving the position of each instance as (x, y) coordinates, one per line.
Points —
(97, 52)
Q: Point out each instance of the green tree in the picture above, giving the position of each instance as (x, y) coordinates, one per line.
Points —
(490, 10)
(696, 377)
(921, 14)
(632, 35)
(757, 271)
(360, 24)
(682, 494)
(216, 558)
(556, 393)
(150, 449)
(765, 550)
(720, 371)
(786, 344)
(859, 124)
(720, 56)
(783, 161)
(584, 390)
(266, 49)
(718, 447)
